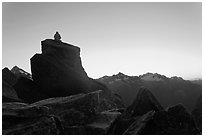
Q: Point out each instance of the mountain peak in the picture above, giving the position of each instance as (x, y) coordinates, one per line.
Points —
(20, 72)
(152, 77)
(177, 78)
(120, 74)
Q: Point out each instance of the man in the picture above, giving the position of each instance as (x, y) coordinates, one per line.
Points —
(57, 36)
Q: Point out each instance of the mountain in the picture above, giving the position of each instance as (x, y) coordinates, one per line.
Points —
(152, 77)
(168, 91)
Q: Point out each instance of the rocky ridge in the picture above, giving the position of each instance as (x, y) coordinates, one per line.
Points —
(168, 91)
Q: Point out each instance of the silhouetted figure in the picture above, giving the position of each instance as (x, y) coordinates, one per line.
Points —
(57, 36)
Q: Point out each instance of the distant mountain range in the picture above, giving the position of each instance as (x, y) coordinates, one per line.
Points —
(168, 91)
(199, 81)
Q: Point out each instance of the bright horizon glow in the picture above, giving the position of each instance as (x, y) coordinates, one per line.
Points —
(132, 38)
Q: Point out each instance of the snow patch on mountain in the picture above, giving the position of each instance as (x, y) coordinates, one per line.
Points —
(152, 77)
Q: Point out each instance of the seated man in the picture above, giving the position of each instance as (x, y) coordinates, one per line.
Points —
(57, 36)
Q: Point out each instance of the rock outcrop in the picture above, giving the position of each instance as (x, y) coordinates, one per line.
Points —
(77, 114)
(144, 102)
(58, 70)
(175, 121)
(154, 120)
(22, 119)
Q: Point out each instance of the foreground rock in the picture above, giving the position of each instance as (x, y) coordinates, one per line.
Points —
(175, 121)
(58, 70)
(20, 118)
(34, 126)
(151, 119)
(80, 113)
(77, 114)
(144, 102)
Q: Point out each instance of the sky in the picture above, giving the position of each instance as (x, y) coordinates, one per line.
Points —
(132, 38)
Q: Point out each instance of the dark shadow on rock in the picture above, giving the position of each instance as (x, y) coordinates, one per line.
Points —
(28, 91)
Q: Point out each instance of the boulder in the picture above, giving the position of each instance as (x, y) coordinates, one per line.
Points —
(88, 104)
(77, 114)
(15, 113)
(24, 111)
(22, 119)
(144, 102)
(58, 70)
(82, 113)
(34, 126)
